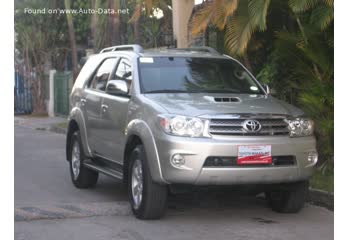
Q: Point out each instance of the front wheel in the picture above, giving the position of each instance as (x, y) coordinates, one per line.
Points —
(81, 176)
(289, 198)
(148, 199)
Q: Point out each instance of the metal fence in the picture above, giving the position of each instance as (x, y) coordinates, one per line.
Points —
(23, 97)
(61, 92)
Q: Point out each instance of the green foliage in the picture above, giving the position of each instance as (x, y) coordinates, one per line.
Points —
(302, 5)
(151, 32)
(81, 21)
(257, 10)
(301, 67)
(323, 180)
(241, 21)
(322, 16)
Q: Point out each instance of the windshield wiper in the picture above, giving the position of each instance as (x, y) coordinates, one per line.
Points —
(222, 91)
(167, 91)
(194, 91)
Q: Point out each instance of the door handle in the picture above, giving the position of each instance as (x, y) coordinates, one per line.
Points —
(83, 101)
(104, 108)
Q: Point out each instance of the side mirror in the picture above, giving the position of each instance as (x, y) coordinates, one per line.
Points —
(117, 88)
(269, 91)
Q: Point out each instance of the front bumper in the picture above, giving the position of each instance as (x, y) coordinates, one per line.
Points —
(196, 150)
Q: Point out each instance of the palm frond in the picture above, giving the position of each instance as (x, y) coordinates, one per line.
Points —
(302, 5)
(216, 12)
(322, 16)
(238, 33)
(257, 10)
(329, 2)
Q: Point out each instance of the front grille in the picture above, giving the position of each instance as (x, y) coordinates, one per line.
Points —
(269, 127)
(286, 160)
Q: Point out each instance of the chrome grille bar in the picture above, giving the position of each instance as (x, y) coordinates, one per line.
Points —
(269, 127)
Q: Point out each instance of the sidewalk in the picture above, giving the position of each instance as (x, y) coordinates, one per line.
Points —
(56, 124)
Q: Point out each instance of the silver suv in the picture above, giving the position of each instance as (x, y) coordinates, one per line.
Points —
(167, 118)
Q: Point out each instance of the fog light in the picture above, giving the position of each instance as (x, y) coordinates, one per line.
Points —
(218, 162)
(312, 157)
(178, 160)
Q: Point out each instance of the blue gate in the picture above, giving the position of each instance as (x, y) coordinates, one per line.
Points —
(23, 98)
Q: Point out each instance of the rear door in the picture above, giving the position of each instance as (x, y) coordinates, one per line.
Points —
(93, 96)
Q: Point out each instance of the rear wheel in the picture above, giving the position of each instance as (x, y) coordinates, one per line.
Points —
(148, 199)
(81, 176)
(290, 198)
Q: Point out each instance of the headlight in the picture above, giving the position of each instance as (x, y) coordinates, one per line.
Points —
(181, 125)
(300, 127)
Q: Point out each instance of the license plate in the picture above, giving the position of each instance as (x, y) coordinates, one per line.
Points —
(254, 154)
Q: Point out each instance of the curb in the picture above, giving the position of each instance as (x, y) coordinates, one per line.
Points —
(57, 130)
(64, 211)
(321, 198)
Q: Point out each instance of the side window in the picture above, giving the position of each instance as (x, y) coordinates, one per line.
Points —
(99, 80)
(124, 70)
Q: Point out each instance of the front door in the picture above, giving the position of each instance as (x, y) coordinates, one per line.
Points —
(93, 97)
(114, 115)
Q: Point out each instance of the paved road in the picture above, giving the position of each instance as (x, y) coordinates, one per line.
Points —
(47, 206)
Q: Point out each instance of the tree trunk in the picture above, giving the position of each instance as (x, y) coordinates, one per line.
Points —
(35, 78)
(93, 24)
(72, 41)
(137, 35)
(114, 23)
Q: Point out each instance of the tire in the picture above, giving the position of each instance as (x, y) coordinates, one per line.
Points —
(153, 201)
(81, 176)
(290, 198)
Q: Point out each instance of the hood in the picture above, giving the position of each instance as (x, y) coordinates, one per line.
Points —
(197, 104)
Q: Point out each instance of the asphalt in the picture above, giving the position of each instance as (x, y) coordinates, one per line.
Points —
(48, 206)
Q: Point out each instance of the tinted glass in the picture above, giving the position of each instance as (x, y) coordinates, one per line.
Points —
(100, 79)
(123, 71)
(179, 74)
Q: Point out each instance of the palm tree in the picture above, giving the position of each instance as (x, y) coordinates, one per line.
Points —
(310, 62)
(242, 18)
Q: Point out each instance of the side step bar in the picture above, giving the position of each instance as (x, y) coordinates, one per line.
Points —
(104, 170)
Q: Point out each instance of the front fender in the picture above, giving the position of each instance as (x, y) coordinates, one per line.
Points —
(77, 115)
(141, 129)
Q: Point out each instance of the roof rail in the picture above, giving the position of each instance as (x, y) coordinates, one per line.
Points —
(200, 49)
(132, 47)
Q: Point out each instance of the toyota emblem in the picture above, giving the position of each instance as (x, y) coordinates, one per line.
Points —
(251, 125)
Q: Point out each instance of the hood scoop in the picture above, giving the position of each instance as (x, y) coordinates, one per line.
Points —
(226, 99)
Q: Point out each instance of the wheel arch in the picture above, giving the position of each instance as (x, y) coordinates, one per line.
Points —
(72, 127)
(76, 122)
(138, 132)
(131, 143)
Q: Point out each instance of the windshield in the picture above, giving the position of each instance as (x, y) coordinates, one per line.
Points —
(195, 75)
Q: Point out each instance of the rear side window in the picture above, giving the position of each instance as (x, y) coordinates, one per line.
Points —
(99, 80)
